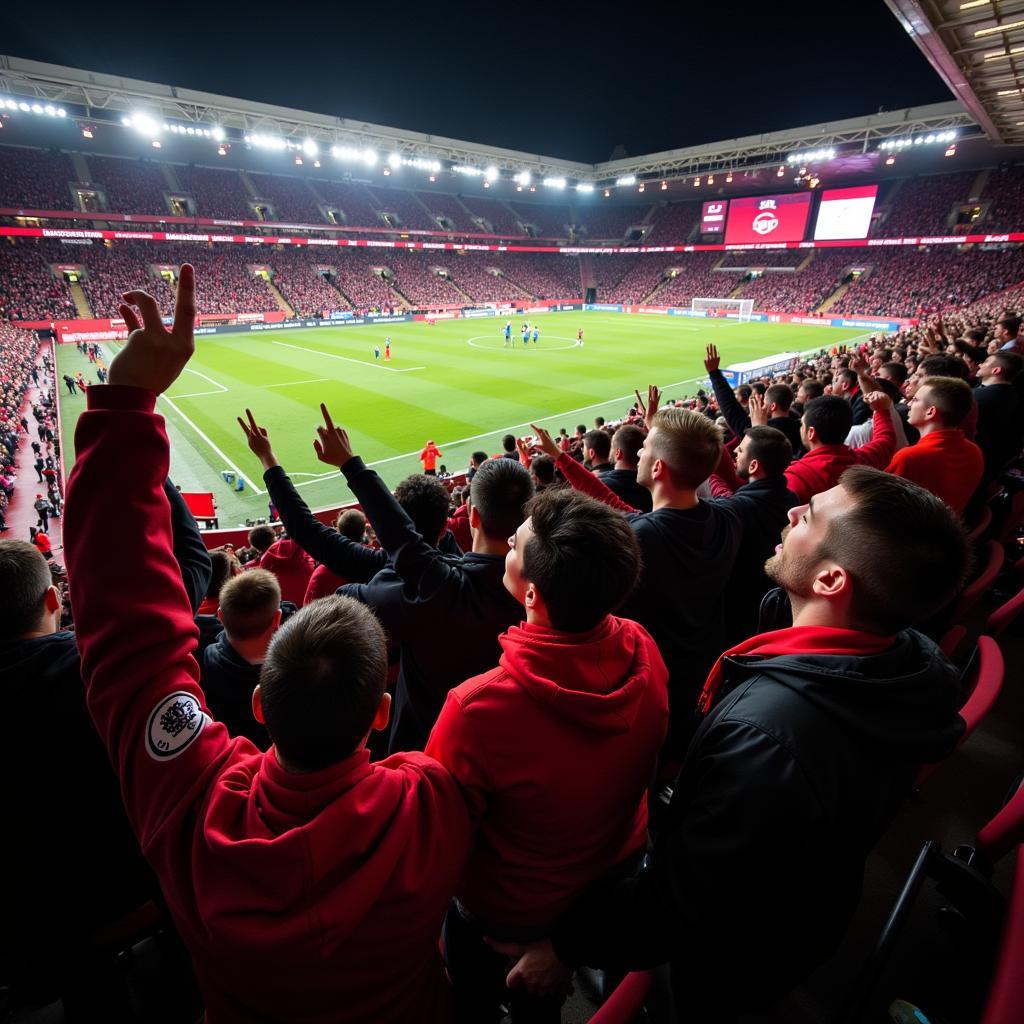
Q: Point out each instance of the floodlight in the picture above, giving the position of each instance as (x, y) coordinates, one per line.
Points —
(61, 112)
(37, 108)
(309, 147)
(628, 179)
(144, 124)
(25, 107)
(584, 186)
(491, 174)
(155, 143)
(394, 160)
(222, 151)
(554, 182)
(218, 133)
(522, 178)
(369, 157)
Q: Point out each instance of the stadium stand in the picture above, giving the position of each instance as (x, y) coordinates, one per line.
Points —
(125, 267)
(291, 198)
(131, 186)
(1004, 189)
(673, 222)
(765, 258)
(217, 193)
(358, 280)
(550, 220)
(300, 282)
(354, 201)
(494, 213)
(471, 272)
(29, 290)
(924, 206)
(544, 277)
(406, 205)
(695, 277)
(34, 179)
(450, 208)
(610, 223)
(418, 281)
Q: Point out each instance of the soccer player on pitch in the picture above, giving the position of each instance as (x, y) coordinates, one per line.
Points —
(387, 349)
(536, 333)
(508, 333)
(579, 336)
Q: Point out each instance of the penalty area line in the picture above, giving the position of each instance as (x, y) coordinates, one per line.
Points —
(347, 359)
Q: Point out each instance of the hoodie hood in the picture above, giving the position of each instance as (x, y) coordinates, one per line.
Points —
(28, 668)
(596, 680)
(284, 556)
(902, 702)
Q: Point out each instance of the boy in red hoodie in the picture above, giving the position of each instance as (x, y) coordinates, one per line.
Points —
(555, 748)
(308, 884)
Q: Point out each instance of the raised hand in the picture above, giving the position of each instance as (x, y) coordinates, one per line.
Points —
(757, 409)
(153, 357)
(653, 398)
(544, 442)
(878, 401)
(332, 447)
(258, 440)
(712, 360)
(537, 969)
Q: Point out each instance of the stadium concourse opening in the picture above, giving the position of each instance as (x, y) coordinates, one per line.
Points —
(611, 576)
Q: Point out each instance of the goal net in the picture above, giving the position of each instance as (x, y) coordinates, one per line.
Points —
(744, 308)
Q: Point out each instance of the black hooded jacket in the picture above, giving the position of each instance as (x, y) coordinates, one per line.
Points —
(789, 782)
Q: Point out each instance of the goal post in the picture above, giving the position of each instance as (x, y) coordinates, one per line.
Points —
(712, 307)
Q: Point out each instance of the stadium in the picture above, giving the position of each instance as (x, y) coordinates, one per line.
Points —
(484, 469)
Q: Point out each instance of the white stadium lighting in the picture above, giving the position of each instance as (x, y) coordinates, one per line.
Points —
(218, 133)
(628, 179)
(144, 124)
(309, 147)
(369, 157)
(523, 178)
(584, 186)
(554, 182)
(394, 161)
(422, 163)
(470, 172)
(491, 174)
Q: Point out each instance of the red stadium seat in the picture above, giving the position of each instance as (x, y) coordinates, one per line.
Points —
(982, 687)
(1005, 830)
(1005, 614)
(983, 523)
(974, 591)
(1006, 993)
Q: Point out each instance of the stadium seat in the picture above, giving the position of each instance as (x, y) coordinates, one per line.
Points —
(1005, 614)
(982, 684)
(1005, 830)
(1006, 993)
(974, 591)
(977, 531)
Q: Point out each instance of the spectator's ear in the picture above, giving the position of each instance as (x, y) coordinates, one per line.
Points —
(51, 599)
(277, 621)
(474, 516)
(218, 614)
(380, 720)
(257, 706)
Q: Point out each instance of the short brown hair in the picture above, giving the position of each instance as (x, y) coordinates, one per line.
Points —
(688, 443)
(951, 396)
(322, 682)
(780, 395)
(261, 537)
(905, 551)
(248, 602)
(352, 524)
(583, 557)
(224, 565)
(24, 579)
(629, 440)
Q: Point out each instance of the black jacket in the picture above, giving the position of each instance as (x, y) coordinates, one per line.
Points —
(228, 680)
(446, 612)
(739, 421)
(999, 425)
(623, 483)
(757, 866)
(762, 507)
(349, 559)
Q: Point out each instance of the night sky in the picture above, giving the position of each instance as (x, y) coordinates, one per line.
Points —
(528, 77)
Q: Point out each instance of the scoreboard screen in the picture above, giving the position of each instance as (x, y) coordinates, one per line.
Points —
(845, 212)
(781, 218)
(712, 217)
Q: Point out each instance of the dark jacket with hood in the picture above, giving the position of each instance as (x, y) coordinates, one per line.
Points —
(228, 680)
(623, 483)
(739, 419)
(446, 612)
(789, 782)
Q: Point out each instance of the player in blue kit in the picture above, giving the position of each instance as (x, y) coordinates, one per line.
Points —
(536, 333)
(508, 333)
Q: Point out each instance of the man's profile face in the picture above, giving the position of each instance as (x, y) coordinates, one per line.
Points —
(796, 559)
(645, 463)
(986, 368)
(743, 460)
(918, 407)
(513, 579)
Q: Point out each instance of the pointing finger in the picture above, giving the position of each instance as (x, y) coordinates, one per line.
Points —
(128, 315)
(185, 301)
(150, 310)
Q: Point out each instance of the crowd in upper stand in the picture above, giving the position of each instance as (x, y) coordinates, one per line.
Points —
(717, 592)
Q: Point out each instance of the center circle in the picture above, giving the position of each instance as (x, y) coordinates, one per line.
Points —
(540, 346)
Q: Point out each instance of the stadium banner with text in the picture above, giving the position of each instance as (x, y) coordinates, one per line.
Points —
(70, 235)
(712, 217)
(780, 218)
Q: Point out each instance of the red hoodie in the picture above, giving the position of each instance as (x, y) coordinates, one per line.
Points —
(302, 898)
(821, 468)
(554, 750)
(292, 567)
(323, 583)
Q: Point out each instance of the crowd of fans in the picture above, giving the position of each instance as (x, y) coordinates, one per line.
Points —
(696, 278)
(291, 199)
(18, 371)
(359, 278)
(410, 211)
(542, 277)
(29, 289)
(473, 275)
(1004, 190)
(451, 209)
(765, 258)
(654, 598)
(495, 213)
(298, 278)
(673, 222)
(217, 193)
(610, 222)
(31, 179)
(354, 201)
(131, 186)
(924, 205)
(416, 277)
(550, 220)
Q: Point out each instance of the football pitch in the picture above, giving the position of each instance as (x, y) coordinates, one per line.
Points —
(454, 382)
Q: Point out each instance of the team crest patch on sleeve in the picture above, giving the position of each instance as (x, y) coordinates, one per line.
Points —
(174, 724)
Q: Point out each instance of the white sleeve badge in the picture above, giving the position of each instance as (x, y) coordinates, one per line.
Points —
(174, 725)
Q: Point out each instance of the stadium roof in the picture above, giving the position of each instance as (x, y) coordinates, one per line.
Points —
(977, 47)
(101, 98)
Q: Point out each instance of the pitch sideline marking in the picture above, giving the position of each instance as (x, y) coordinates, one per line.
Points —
(537, 347)
(347, 359)
(315, 380)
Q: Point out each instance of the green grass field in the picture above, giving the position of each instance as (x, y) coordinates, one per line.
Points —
(453, 382)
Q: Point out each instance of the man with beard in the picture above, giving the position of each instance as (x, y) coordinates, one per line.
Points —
(810, 741)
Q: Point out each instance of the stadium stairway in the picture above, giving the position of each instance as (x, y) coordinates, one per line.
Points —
(81, 303)
(832, 299)
(279, 298)
(806, 262)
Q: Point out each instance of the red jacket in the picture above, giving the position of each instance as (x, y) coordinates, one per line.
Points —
(429, 456)
(821, 469)
(292, 567)
(312, 898)
(323, 583)
(555, 750)
(459, 525)
(945, 463)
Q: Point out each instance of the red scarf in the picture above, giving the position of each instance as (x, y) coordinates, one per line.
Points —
(795, 640)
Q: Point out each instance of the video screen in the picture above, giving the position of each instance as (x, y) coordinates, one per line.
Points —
(712, 217)
(768, 219)
(845, 212)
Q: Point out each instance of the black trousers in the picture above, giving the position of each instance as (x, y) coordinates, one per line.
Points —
(478, 975)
